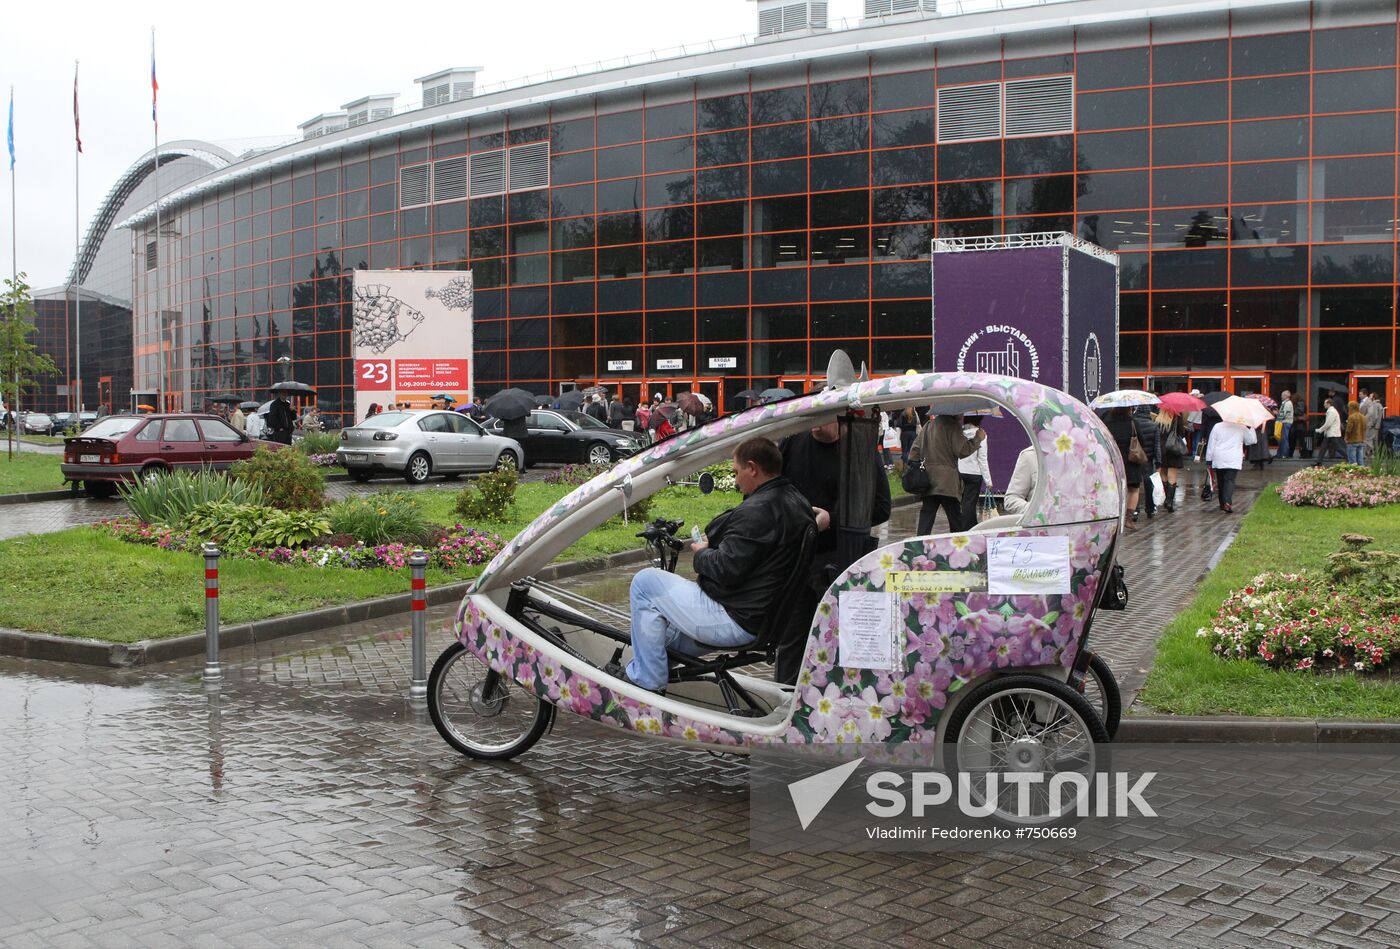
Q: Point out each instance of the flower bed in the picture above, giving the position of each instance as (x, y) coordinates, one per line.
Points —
(1301, 621)
(459, 547)
(1340, 486)
(324, 461)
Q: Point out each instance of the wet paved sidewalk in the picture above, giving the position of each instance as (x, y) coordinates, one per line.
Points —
(305, 803)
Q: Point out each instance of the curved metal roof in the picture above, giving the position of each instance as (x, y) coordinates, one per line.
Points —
(126, 185)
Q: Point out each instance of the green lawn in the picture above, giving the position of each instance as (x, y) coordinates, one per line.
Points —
(1187, 679)
(82, 582)
(29, 471)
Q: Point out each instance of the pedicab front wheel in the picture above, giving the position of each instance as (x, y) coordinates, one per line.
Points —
(1101, 691)
(480, 712)
(1026, 723)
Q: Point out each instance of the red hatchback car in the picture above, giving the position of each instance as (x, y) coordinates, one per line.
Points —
(125, 447)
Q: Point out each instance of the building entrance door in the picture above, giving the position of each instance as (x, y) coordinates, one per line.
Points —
(1246, 384)
(1208, 384)
(1384, 386)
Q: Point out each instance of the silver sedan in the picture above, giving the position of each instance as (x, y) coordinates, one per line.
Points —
(419, 444)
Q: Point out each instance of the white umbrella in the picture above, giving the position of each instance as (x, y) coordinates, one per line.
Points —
(1123, 398)
(1247, 412)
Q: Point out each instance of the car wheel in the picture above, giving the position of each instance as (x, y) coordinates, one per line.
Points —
(99, 489)
(599, 454)
(361, 475)
(507, 459)
(419, 469)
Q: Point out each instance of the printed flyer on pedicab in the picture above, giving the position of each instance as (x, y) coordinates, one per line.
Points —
(412, 336)
(1002, 788)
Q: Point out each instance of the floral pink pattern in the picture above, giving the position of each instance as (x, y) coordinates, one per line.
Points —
(951, 639)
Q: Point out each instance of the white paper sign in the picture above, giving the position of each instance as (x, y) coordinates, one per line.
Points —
(619, 365)
(670, 364)
(866, 619)
(724, 362)
(1028, 565)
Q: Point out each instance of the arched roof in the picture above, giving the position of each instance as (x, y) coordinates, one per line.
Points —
(126, 185)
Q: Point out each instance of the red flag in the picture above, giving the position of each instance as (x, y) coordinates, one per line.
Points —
(155, 86)
(77, 132)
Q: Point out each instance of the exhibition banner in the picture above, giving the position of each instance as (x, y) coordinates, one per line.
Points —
(412, 336)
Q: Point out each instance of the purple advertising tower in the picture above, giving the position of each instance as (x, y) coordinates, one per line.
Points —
(1042, 307)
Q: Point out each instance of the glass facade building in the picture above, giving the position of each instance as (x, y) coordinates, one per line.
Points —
(724, 221)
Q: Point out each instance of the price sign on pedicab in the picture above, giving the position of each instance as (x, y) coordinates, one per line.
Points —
(412, 336)
(1028, 565)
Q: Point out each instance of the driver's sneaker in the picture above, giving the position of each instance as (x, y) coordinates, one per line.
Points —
(618, 671)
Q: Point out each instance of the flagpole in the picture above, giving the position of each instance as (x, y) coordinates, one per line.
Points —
(155, 179)
(77, 253)
(14, 256)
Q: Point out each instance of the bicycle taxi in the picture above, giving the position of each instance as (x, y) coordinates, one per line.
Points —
(968, 663)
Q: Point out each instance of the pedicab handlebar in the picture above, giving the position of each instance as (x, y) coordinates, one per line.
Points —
(665, 546)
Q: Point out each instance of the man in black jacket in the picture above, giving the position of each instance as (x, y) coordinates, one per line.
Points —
(280, 418)
(812, 460)
(743, 563)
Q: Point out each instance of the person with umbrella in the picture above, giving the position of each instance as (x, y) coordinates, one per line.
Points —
(1331, 433)
(237, 419)
(1225, 454)
(512, 406)
(255, 424)
(280, 419)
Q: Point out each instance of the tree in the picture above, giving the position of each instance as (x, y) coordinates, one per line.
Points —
(21, 363)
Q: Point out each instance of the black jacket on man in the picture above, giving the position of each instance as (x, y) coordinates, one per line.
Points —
(753, 549)
(280, 420)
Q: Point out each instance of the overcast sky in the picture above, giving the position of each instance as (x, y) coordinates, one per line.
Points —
(251, 69)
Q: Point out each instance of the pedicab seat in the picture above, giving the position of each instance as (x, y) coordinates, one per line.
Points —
(997, 523)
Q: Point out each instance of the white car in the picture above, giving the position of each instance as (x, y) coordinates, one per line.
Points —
(419, 444)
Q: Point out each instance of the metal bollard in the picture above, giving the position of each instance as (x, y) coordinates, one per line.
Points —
(418, 686)
(212, 672)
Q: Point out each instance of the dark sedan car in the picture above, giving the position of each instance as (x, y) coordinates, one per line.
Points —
(124, 447)
(572, 437)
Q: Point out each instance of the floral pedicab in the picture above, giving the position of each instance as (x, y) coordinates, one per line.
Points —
(985, 674)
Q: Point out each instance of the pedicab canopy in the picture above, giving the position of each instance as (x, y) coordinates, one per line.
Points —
(1080, 478)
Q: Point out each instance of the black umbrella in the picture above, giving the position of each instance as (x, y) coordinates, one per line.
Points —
(510, 404)
(245, 406)
(663, 411)
(225, 399)
(1215, 397)
(543, 401)
(748, 394)
(293, 387)
(777, 395)
(570, 401)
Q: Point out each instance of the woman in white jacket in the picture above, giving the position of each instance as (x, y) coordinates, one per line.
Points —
(1225, 453)
(974, 472)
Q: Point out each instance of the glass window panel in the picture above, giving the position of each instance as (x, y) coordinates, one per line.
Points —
(771, 106)
(779, 141)
(1260, 98)
(571, 136)
(669, 189)
(1353, 263)
(1047, 195)
(670, 224)
(1353, 177)
(1190, 145)
(1354, 91)
(573, 233)
(1190, 62)
(619, 262)
(719, 184)
(727, 324)
(839, 247)
(772, 360)
(1276, 138)
(1269, 181)
(619, 229)
(779, 177)
(1116, 229)
(840, 209)
(723, 112)
(673, 154)
(568, 169)
(487, 212)
(904, 90)
(840, 319)
(893, 278)
(901, 318)
(843, 97)
(1267, 350)
(1041, 155)
(722, 253)
(573, 265)
(895, 129)
(971, 160)
(1269, 266)
(913, 203)
(780, 214)
(1261, 309)
(572, 331)
(622, 195)
(894, 356)
(832, 136)
(1266, 55)
(670, 327)
(903, 165)
(1353, 220)
(1204, 102)
(1188, 351)
(619, 328)
(1352, 306)
(976, 72)
(1190, 227)
(1267, 224)
(1172, 187)
(1106, 150)
(570, 202)
(1358, 46)
(836, 172)
(780, 250)
(1132, 312)
(969, 199)
(677, 257)
(1351, 349)
(1354, 134)
(1039, 66)
(1188, 312)
(528, 206)
(727, 218)
(1124, 189)
(1111, 69)
(779, 322)
(722, 148)
(620, 162)
(1187, 269)
(665, 121)
(619, 127)
(1125, 108)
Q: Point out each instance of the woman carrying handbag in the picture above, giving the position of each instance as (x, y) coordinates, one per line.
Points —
(933, 469)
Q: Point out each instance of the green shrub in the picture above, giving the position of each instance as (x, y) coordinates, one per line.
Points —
(241, 526)
(1385, 462)
(167, 498)
(319, 443)
(489, 498)
(288, 479)
(381, 519)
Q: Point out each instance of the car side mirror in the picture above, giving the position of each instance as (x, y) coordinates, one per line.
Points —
(706, 482)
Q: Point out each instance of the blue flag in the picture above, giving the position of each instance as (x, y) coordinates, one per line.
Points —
(10, 136)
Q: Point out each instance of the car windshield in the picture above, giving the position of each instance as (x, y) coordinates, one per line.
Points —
(384, 420)
(112, 427)
(584, 421)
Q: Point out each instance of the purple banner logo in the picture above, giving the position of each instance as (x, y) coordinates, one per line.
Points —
(1093, 368)
(1002, 350)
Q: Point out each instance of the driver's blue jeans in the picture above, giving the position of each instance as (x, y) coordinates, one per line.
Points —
(671, 611)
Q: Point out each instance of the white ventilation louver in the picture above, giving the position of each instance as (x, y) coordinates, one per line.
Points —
(370, 109)
(488, 173)
(875, 9)
(969, 112)
(449, 85)
(529, 166)
(324, 124)
(450, 179)
(1040, 106)
(413, 186)
(776, 17)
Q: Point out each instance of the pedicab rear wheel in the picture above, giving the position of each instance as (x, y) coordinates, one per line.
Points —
(1026, 723)
(478, 711)
(1101, 692)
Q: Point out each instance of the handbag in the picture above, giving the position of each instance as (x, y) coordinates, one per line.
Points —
(1115, 593)
(987, 507)
(1176, 445)
(1136, 455)
(915, 479)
